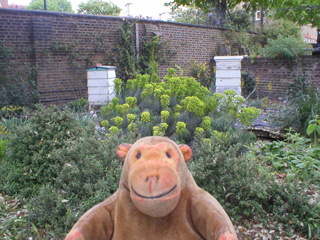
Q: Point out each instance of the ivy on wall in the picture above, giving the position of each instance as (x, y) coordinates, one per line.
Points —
(152, 52)
(24, 91)
(127, 53)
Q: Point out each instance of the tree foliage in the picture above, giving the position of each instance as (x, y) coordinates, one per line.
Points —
(99, 7)
(191, 15)
(302, 12)
(52, 5)
(220, 7)
(276, 28)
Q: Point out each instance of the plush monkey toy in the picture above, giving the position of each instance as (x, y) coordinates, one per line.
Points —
(157, 198)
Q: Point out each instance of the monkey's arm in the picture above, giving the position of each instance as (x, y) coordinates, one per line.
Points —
(96, 223)
(210, 219)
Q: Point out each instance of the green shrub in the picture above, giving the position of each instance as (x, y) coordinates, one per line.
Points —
(202, 73)
(177, 99)
(248, 85)
(105, 123)
(296, 157)
(29, 163)
(78, 105)
(248, 191)
(165, 101)
(24, 90)
(284, 28)
(303, 106)
(82, 169)
(193, 105)
(314, 129)
(11, 111)
(13, 226)
(131, 117)
(3, 146)
(132, 101)
(285, 47)
(118, 121)
(122, 109)
(231, 103)
(114, 129)
(165, 115)
(145, 117)
(90, 173)
(117, 85)
(181, 126)
(87, 170)
(247, 115)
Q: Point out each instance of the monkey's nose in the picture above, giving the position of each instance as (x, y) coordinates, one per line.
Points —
(152, 178)
(152, 181)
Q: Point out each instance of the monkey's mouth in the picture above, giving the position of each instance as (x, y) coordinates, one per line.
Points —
(154, 197)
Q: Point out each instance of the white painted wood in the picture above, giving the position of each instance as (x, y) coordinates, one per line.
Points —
(228, 74)
(98, 83)
(228, 58)
(111, 81)
(228, 65)
(98, 98)
(228, 82)
(98, 74)
(98, 90)
(101, 85)
(112, 73)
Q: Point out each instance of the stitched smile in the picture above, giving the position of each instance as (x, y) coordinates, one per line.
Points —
(154, 197)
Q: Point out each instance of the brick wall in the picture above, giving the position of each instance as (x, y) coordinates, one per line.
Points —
(61, 46)
(275, 76)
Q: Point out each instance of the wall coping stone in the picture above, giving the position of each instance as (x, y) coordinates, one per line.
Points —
(42, 12)
(228, 58)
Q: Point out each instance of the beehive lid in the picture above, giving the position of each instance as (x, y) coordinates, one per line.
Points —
(101, 68)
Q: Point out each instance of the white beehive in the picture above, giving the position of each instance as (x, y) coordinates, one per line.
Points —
(101, 84)
(228, 73)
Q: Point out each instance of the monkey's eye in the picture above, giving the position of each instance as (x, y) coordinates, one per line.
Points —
(168, 155)
(139, 155)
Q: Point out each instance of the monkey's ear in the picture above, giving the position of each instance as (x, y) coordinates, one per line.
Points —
(122, 150)
(186, 152)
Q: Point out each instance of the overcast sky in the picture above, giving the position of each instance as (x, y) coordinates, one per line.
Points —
(146, 8)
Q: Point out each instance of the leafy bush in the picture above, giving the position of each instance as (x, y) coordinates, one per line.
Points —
(153, 107)
(239, 19)
(314, 129)
(303, 106)
(90, 174)
(285, 47)
(3, 145)
(78, 105)
(202, 73)
(86, 169)
(247, 115)
(248, 85)
(11, 111)
(13, 226)
(295, 157)
(60, 166)
(248, 191)
(29, 163)
(281, 28)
